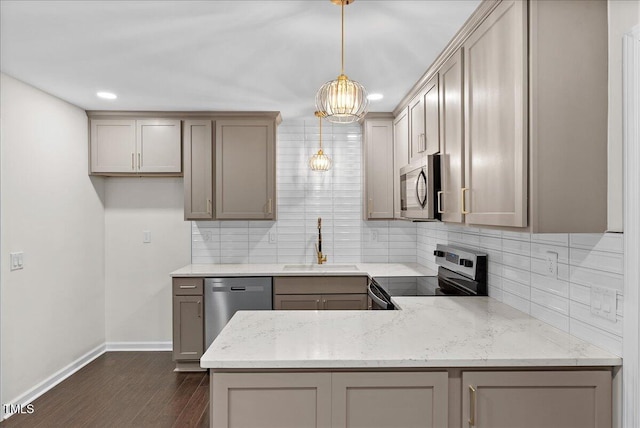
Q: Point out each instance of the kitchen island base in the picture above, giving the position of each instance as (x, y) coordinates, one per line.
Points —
(454, 397)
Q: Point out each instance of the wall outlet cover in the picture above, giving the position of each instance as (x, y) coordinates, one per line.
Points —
(551, 264)
(604, 302)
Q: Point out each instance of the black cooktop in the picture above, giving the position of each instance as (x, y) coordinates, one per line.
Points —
(447, 283)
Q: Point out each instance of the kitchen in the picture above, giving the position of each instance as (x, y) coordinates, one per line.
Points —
(102, 287)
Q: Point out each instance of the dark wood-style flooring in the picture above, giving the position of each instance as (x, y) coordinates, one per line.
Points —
(123, 389)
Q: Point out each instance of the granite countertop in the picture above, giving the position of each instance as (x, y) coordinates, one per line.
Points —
(350, 269)
(427, 332)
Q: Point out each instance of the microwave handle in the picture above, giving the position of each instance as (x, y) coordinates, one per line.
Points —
(421, 200)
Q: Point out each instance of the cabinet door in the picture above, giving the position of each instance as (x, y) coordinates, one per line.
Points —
(344, 302)
(577, 399)
(159, 146)
(245, 169)
(198, 170)
(297, 302)
(451, 139)
(188, 328)
(270, 400)
(389, 400)
(113, 146)
(416, 128)
(379, 171)
(495, 76)
(431, 143)
(400, 154)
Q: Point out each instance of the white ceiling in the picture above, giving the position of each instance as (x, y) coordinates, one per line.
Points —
(221, 55)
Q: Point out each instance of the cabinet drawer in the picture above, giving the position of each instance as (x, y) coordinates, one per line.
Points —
(320, 285)
(188, 286)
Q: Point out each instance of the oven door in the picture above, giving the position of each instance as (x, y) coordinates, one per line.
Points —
(419, 185)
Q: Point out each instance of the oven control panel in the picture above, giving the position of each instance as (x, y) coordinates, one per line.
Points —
(465, 261)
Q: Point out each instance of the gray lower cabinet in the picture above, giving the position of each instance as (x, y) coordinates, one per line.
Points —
(320, 293)
(324, 399)
(188, 322)
(382, 399)
(567, 399)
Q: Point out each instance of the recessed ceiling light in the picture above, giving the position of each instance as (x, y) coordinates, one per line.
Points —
(107, 95)
(375, 97)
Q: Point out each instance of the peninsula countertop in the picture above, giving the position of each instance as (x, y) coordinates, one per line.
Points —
(429, 332)
(347, 269)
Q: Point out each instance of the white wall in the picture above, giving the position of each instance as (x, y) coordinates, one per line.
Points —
(623, 15)
(53, 309)
(138, 286)
(303, 196)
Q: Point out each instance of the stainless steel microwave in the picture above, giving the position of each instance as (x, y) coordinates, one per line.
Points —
(419, 187)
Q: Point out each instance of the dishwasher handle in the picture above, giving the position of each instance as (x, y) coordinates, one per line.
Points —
(226, 288)
(238, 288)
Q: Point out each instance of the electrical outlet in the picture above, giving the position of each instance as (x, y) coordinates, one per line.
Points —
(17, 260)
(206, 236)
(551, 267)
(604, 302)
(374, 235)
(146, 236)
(273, 238)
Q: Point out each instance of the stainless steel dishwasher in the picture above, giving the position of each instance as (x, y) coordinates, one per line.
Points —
(224, 296)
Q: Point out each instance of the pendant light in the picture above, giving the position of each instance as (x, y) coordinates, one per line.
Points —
(342, 100)
(320, 161)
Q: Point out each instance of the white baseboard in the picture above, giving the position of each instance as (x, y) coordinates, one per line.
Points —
(139, 346)
(44, 386)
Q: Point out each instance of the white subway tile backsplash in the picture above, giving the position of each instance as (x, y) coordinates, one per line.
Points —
(518, 274)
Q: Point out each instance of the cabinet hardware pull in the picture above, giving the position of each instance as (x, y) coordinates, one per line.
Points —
(318, 304)
(139, 162)
(370, 208)
(472, 406)
(424, 143)
(209, 208)
(463, 204)
(133, 161)
(270, 206)
(187, 286)
(199, 308)
(440, 211)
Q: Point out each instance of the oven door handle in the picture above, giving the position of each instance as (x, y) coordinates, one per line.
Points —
(375, 298)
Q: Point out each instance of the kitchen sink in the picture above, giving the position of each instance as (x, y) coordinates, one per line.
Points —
(321, 267)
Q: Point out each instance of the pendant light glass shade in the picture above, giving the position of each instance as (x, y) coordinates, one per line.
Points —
(342, 100)
(320, 161)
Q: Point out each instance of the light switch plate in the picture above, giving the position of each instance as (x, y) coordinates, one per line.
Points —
(604, 302)
(273, 238)
(17, 260)
(374, 235)
(146, 236)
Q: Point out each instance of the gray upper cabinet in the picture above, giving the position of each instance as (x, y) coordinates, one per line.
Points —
(198, 170)
(135, 146)
(416, 128)
(245, 169)
(379, 169)
(451, 139)
(431, 138)
(113, 146)
(495, 72)
(400, 154)
(159, 146)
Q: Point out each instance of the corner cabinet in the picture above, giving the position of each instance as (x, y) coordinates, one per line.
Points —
(188, 322)
(245, 169)
(135, 146)
(378, 169)
(400, 155)
(230, 164)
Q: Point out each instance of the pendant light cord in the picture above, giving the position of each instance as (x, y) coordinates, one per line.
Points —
(342, 59)
(320, 119)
